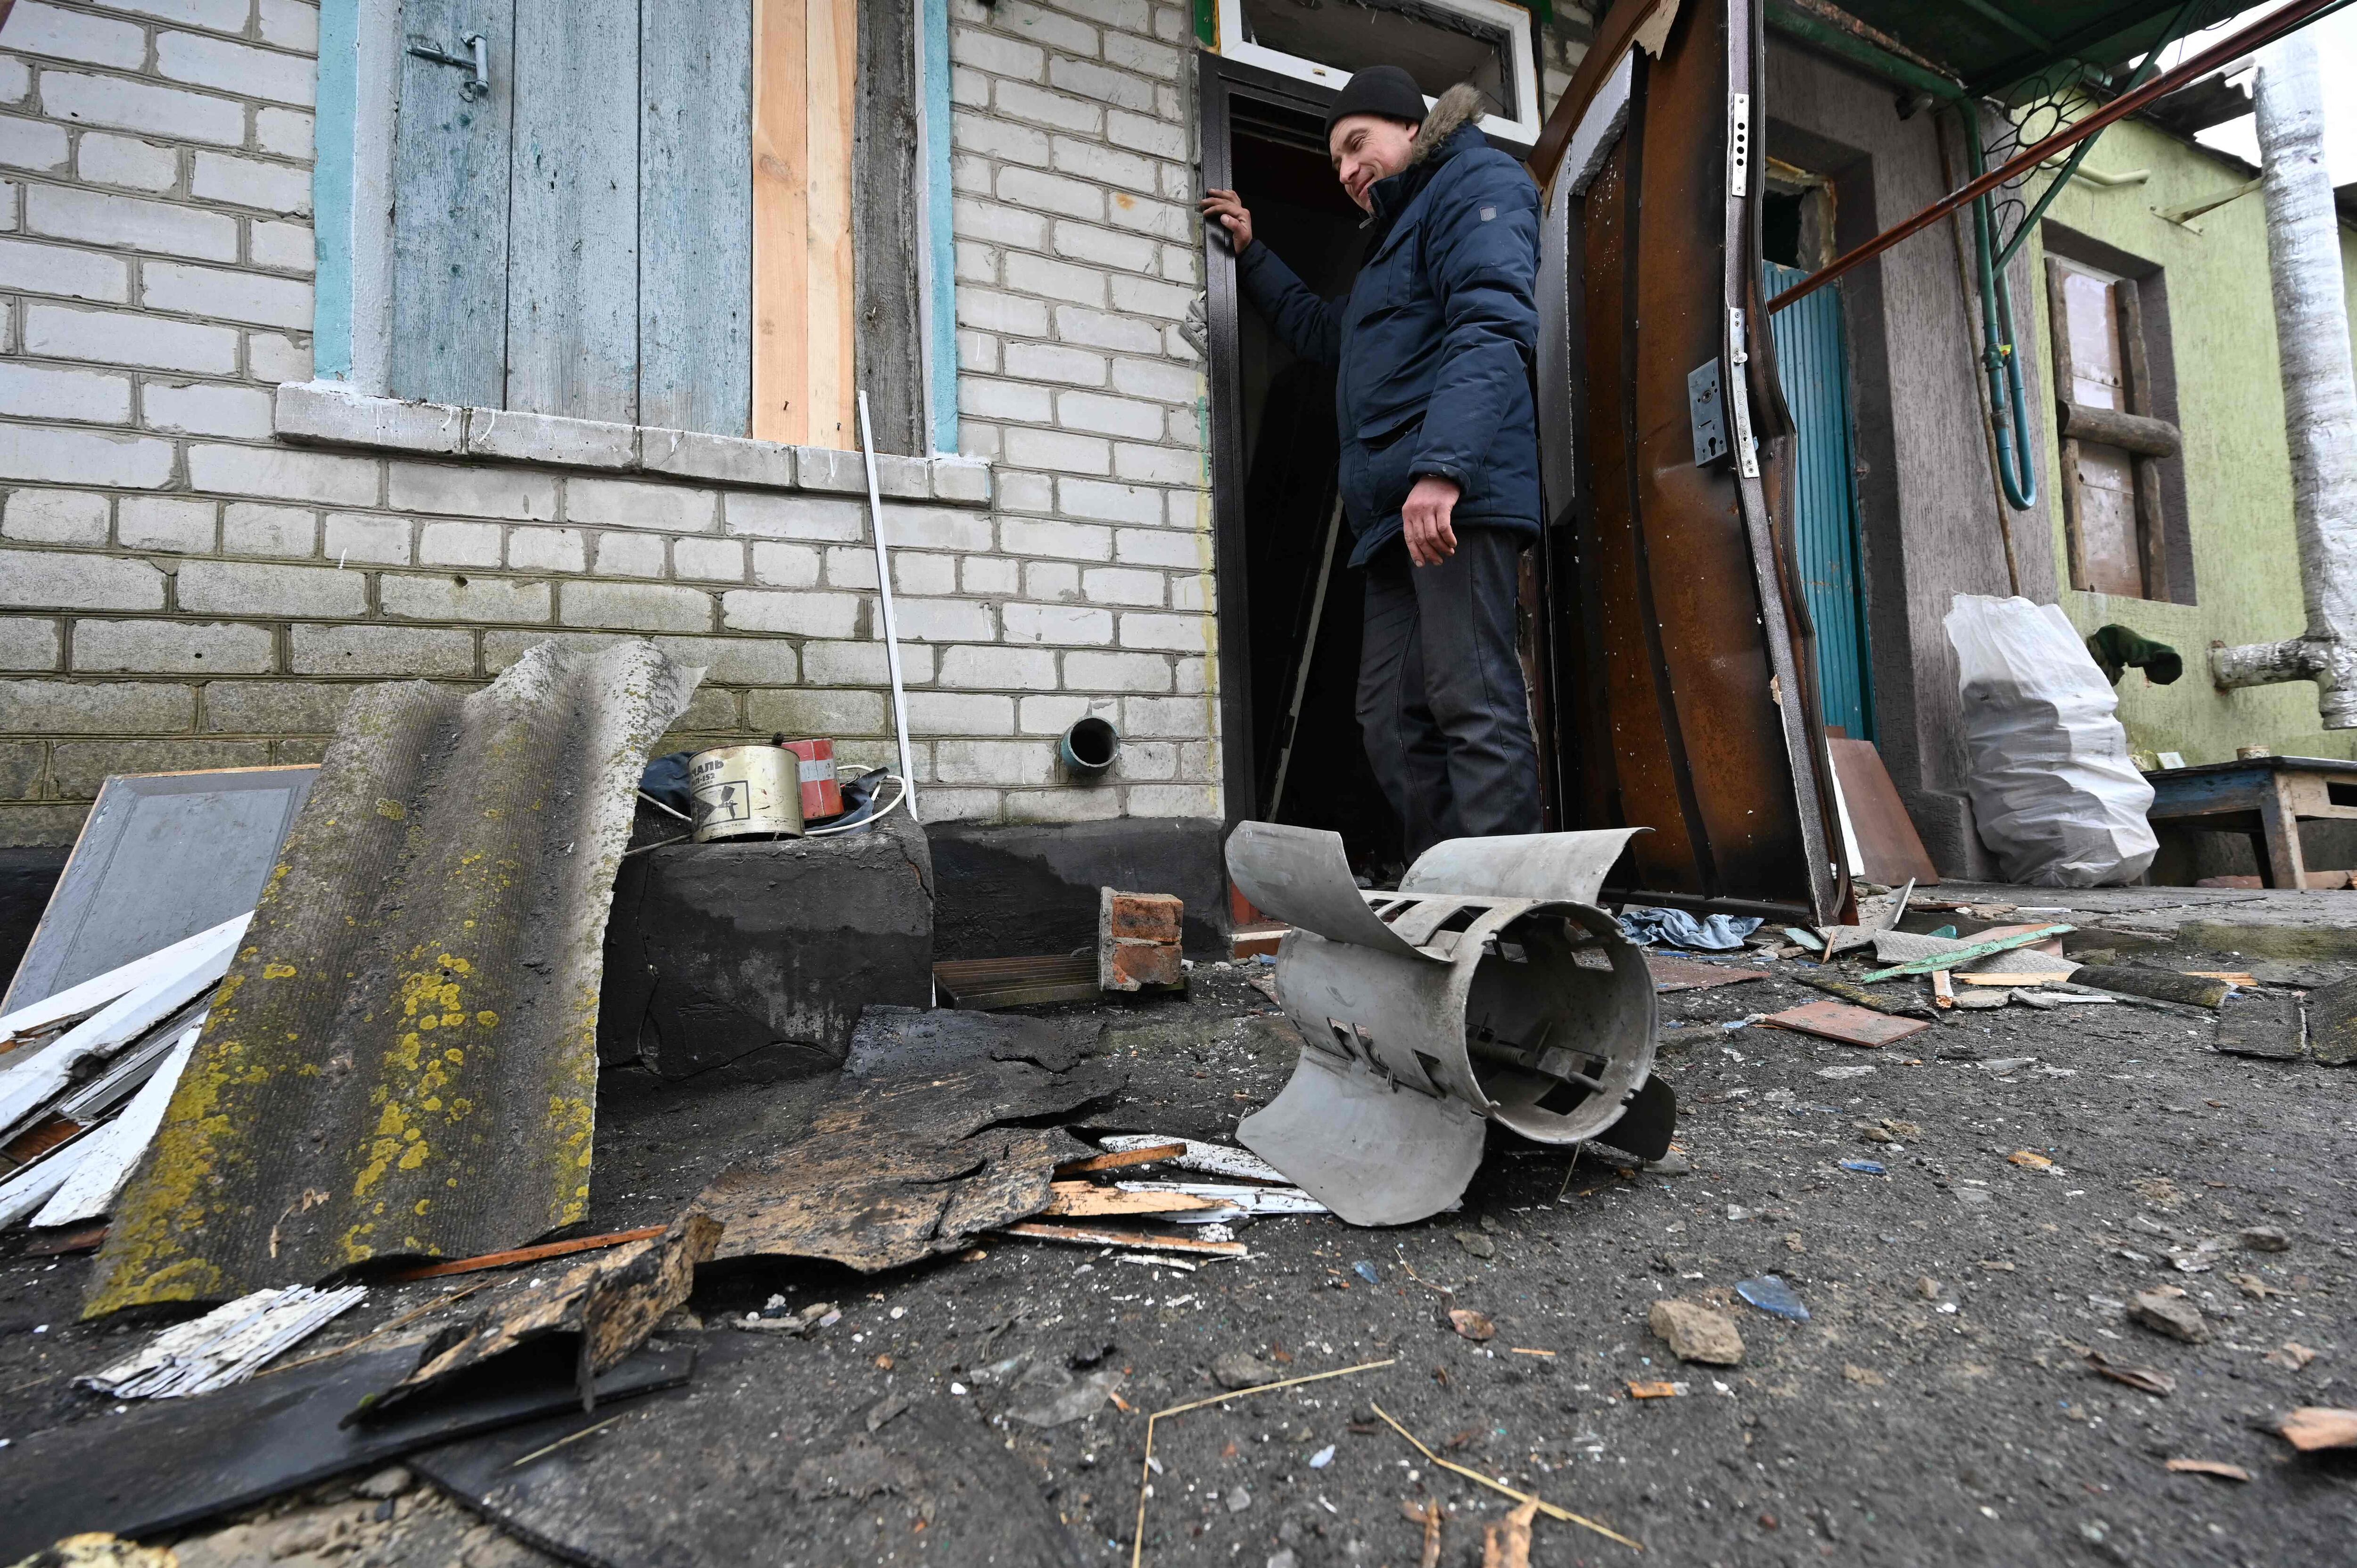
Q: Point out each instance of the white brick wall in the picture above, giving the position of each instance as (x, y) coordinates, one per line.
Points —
(181, 586)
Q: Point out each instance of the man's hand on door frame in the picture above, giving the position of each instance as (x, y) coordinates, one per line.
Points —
(1424, 521)
(1227, 208)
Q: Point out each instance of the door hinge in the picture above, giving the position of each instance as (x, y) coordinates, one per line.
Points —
(475, 62)
(1747, 450)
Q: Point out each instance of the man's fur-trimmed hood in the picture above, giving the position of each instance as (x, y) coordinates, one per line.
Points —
(1454, 110)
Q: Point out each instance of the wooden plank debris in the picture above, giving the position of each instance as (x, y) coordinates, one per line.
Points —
(226, 1346)
(88, 1192)
(1086, 1200)
(984, 983)
(515, 1255)
(1212, 1159)
(2159, 984)
(1672, 973)
(1849, 1026)
(1252, 1199)
(1121, 1159)
(1138, 1241)
(80, 1001)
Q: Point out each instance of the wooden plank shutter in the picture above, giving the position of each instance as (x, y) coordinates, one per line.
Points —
(579, 242)
(805, 81)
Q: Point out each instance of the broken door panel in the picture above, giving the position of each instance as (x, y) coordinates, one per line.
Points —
(1681, 693)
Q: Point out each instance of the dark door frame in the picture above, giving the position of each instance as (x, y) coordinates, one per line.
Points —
(1220, 85)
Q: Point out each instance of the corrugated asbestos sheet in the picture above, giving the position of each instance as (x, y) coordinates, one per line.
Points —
(402, 1059)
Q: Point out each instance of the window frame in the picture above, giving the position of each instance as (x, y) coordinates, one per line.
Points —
(1520, 133)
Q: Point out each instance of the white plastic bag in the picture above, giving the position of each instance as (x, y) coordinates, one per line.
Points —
(2051, 785)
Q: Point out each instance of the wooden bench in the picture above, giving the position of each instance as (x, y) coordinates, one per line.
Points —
(2266, 797)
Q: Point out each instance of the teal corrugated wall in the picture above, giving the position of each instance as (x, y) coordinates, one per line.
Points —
(1814, 364)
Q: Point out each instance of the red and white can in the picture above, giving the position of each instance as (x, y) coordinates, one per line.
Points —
(822, 796)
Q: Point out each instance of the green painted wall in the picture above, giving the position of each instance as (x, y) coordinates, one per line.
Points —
(2237, 477)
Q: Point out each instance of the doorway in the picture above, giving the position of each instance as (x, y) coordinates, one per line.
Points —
(1289, 609)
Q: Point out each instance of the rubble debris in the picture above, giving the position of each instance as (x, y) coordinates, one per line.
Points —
(1061, 1398)
(2263, 1239)
(2332, 1023)
(1476, 1244)
(1244, 1199)
(2264, 1024)
(1507, 1545)
(515, 1255)
(900, 1168)
(2217, 1468)
(1896, 1004)
(225, 1346)
(984, 983)
(1239, 1370)
(1428, 1515)
(1656, 1390)
(1086, 1200)
(1121, 1159)
(99, 1550)
(1139, 1240)
(1472, 1325)
(2161, 984)
(1947, 956)
(2291, 1356)
(2030, 1159)
(171, 1463)
(2313, 1427)
(1845, 1024)
(1549, 1509)
(1770, 1293)
(1149, 1467)
(79, 1002)
(103, 1163)
(2150, 1379)
(1696, 1332)
(1671, 973)
(1138, 941)
(608, 1305)
(894, 1042)
(436, 914)
(1210, 1159)
(2166, 1311)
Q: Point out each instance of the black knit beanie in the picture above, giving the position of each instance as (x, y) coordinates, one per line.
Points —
(1384, 90)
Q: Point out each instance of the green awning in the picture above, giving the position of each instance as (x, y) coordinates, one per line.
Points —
(1989, 45)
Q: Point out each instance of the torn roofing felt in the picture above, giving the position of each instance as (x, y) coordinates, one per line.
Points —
(403, 1057)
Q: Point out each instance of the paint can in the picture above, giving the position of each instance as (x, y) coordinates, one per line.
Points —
(744, 792)
(822, 795)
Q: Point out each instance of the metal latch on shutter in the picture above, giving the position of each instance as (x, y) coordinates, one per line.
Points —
(1747, 450)
(476, 63)
(1738, 143)
(1706, 407)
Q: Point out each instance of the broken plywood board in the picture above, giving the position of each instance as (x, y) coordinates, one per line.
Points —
(169, 1463)
(160, 857)
(225, 1346)
(1672, 973)
(1212, 1159)
(1849, 1026)
(418, 990)
(903, 1168)
(607, 1306)
(896, 1040)
(638, 1493)
(102, 1168)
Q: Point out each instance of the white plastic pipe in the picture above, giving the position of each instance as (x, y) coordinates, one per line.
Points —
(892, 625)
(2319, 387)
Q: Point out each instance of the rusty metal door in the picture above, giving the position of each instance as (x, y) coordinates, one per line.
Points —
(1680, 647)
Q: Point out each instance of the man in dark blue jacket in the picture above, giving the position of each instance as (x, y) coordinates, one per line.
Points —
(1439, 437)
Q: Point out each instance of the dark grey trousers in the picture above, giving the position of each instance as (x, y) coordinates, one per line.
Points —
(1441, 703)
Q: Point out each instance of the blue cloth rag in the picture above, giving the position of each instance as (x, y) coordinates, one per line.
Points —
(1645, 925)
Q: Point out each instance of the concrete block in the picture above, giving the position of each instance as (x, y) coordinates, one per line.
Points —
(551, 438)
(250, 529)
(636, 607)
(796, 517)
(451, 543)
(33, 267)
(132, 222)
(251, 588)
(1021, 100)
(728, 459)
(235, 68)
(236, 181)
(631, 555)
(284, 474)
(1144, 673)
(78, 767)
(902, 478)
(173, 647)
(959, 714)
(380, 541)
(59, 32)
(1075, 541)
(290, 247)
(29, 642)
(812, 711)
(792, 565)
(716, 950)
(333, 414)
(457, 596)
(483, 490)
(95, 707)
(1145, 134)
(994, 575)
(712, 560)
(998, 55)
(988, 310)
(274, 707)
(291, 25)
(129, 105)
(945, 620)
(1056, 450)
(126, 337)
(228, 295)
(1196, 800)
(55, 517)
(155, 523)
(630, 503)
(826, 468)
(738, 660)
(67, 580)
(1122, 585)
(205, 408)
(22, 764)
(283, 133)
(405, 651)
(1071, 624)
(850, 566)
(991, 223)
(548, 550)
(1173, 633)
(46, 391)
(793, 614)
(996, 669)
(1161, 547)
(1178, 718)
(273, 356)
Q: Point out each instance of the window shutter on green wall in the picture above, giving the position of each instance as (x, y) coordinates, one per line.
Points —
(578, 241)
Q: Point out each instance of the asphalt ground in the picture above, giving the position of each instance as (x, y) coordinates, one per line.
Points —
(1936, 1408)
